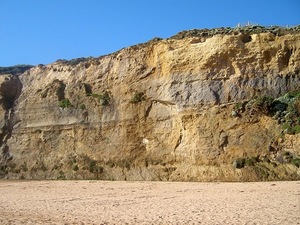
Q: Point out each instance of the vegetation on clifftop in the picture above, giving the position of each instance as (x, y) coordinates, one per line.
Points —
(74, 62)
(249, 29)
(206, 33)
(15, 70)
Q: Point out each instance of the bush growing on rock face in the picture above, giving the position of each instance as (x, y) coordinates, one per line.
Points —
(239, 163)
(291, 116)
(82, 107)
(239, 106)
(251, 161)
(296, 162)
(238, 109)
(285, 109)
(75, 167)
(138, 97)
(242, 162)
(289, 128)
(263, 104)
(65, 103)
(104, 99)
(278, 106)
(61, 175)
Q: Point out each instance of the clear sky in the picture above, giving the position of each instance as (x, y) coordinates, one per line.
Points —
(42, 31)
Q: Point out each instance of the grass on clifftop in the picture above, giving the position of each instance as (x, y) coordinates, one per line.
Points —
(248, 29)
(15, 70)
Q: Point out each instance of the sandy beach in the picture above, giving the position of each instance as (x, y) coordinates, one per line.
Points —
(108, 202)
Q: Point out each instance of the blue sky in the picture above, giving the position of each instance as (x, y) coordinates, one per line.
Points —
(42, 31)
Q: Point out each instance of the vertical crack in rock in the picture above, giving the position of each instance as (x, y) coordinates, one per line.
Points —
(148, 110)
(223, 140)
(179, 140)
(10, 90)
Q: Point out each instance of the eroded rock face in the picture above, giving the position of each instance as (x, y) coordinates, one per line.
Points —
(157, 111)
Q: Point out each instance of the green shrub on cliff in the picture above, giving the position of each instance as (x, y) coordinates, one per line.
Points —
(65, 103)
(82, 107)
(138, 97)
(285, 109)
(296, 162)
(262, 104)
(291, 116)
(239, 163)
(104, 98)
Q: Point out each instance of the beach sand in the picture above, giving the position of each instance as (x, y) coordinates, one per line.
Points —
(115, 202)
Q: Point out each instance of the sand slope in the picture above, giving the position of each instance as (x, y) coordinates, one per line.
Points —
(101, 202)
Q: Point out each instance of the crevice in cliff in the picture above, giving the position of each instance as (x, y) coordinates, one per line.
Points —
(166, 103)
(148, 110)
(245, 38)
(223, 140)
(10, 91)
(216, 96)
(179, 140)
(147, 73)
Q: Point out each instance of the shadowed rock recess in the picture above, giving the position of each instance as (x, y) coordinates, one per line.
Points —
(203, 105)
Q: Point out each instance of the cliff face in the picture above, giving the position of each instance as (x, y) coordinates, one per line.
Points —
(173, 109)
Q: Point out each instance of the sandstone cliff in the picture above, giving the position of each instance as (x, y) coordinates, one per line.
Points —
(187, 108)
